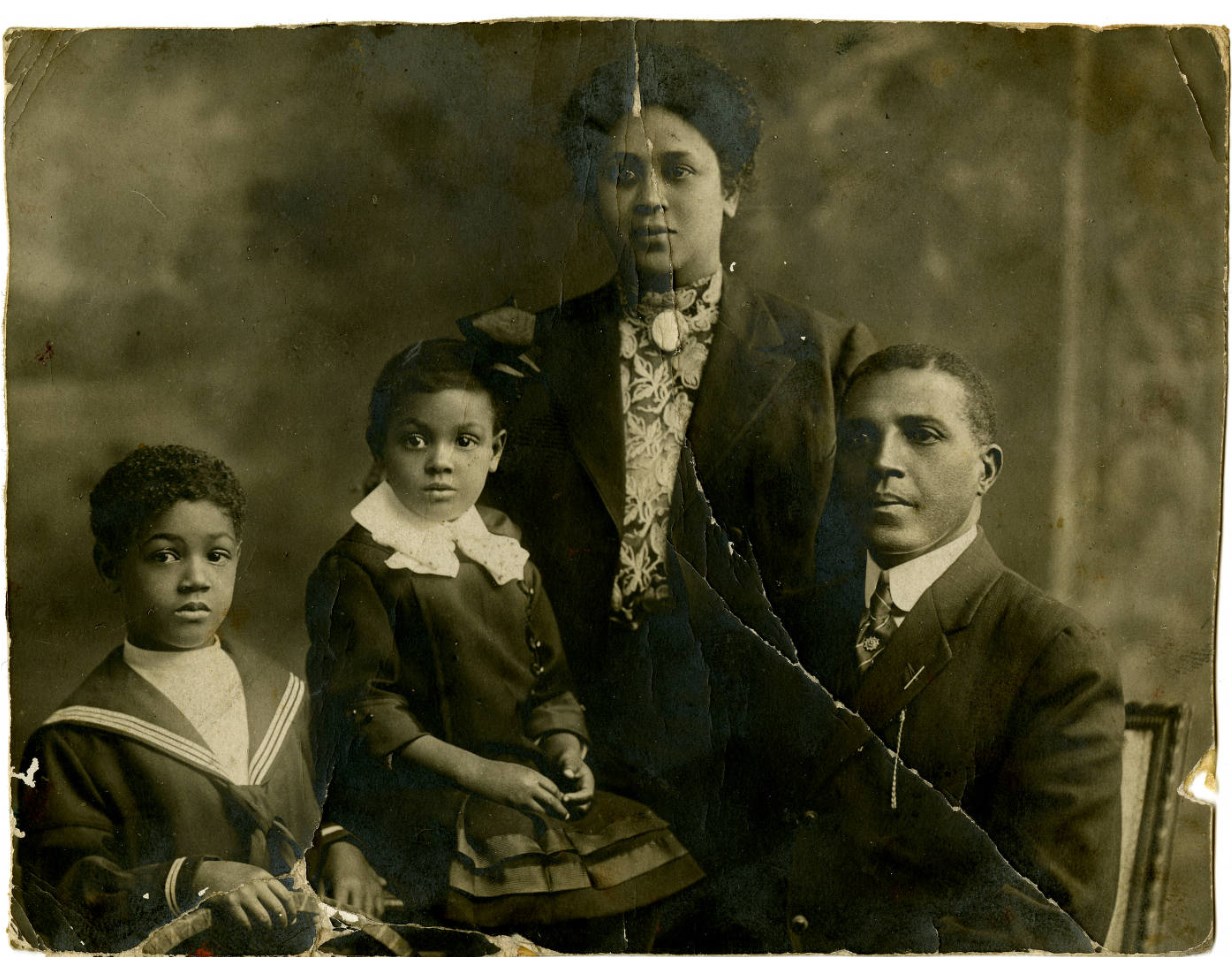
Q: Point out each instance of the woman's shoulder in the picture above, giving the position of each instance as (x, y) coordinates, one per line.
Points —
(792, 315)
(805, 328)
(607, 295)
(585, 308)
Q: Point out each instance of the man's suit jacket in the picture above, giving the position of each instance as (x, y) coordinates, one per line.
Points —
(762, 434)
(1010, 705)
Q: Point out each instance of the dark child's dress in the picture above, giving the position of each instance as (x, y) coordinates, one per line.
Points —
(397, 655)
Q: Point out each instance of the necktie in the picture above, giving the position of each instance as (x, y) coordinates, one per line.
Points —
(877, 626)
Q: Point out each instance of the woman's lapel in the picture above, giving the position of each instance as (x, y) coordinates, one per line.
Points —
(747, 361)
(582, 370)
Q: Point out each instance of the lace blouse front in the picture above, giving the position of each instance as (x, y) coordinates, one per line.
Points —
(664, 343)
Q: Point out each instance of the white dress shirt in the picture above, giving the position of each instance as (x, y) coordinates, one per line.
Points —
(910, 580)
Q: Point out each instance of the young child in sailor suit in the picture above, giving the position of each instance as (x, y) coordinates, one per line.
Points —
(178, 773)
(449, 737)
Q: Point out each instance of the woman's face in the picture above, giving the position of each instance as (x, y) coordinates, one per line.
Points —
(660, 198)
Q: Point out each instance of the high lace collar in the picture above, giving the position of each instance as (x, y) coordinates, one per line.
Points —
(429, 547)
(704, 292)
(673, 317)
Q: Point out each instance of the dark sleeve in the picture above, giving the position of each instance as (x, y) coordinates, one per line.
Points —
(1056, 804)
(355, 668)
(791, 486)
(878, 859)
(882, 863)
(552, 705)
(848, 348)
(79, 892)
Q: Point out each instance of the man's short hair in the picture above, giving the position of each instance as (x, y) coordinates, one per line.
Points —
(981, 409)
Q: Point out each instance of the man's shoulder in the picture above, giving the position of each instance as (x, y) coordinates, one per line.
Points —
(1033, 624)
(996, 601)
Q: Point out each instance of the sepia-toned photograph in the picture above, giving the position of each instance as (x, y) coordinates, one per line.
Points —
(614, 486)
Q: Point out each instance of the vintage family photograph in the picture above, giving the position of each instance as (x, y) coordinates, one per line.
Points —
(614, 486)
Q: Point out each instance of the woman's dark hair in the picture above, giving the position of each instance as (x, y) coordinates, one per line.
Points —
(715, 102)
(149, 481)
(980, 407)
(426, 368)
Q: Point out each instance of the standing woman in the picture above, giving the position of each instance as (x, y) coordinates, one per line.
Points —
(676, 381)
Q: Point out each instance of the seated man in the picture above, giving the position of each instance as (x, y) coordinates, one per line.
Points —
(1002, 698)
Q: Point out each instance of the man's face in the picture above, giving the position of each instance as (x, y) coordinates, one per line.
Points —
(909, 465)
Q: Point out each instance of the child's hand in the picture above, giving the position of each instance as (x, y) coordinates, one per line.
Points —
(519, 787)
(247, 895)
(348, 881)
(564, 751)
(578, 800)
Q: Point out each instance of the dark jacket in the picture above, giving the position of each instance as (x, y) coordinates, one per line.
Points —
(762, 435)
(1010, 704)
(392, 650)
(853, 850)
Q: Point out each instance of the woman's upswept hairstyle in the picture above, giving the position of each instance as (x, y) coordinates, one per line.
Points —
(426, 368)
(150, 480)
(712, 100)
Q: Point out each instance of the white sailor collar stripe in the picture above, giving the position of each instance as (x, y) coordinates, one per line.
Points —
(150, 734)
(190, 752)
(280, 726)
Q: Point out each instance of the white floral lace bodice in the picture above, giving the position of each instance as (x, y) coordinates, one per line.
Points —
(664, 344)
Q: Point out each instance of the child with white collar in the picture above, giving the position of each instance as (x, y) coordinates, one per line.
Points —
(448, 734)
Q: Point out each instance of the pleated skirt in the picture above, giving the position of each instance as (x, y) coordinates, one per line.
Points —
(514, 868)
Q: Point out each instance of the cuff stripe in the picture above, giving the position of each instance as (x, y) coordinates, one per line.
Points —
(169, 886)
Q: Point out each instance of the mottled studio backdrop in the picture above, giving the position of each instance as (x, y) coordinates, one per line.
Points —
(218, 237)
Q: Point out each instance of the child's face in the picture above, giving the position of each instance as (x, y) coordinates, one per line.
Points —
(178, 576)
(439, 450)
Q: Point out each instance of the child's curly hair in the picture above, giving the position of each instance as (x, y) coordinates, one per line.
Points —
(149, 481)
